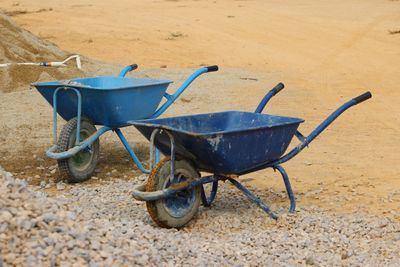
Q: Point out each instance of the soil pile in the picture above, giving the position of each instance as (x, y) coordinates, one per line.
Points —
(18, 45)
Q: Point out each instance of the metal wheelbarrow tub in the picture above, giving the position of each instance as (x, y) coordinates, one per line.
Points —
(225, 145)
(224, 142)
(103, 100)
(107, 100)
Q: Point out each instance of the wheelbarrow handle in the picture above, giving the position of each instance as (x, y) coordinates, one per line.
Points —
(363, 97)
(268, 96)
(127, 69)
(171, 98)
(212, 68)
(319, 129)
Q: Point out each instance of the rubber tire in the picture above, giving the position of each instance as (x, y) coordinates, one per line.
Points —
(66, 140)
(156, 181)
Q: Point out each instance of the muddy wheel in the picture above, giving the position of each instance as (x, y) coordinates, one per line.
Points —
(177, 210)
(81, 166)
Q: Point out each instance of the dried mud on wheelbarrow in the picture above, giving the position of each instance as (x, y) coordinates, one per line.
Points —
(225, 145)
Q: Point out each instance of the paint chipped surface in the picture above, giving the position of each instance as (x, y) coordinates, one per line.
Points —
(215, 141)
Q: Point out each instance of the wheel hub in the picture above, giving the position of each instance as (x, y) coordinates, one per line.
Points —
(84, 157)
(182, 202)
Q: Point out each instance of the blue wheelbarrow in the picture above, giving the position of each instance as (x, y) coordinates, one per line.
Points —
(104, 100)
(225, 144)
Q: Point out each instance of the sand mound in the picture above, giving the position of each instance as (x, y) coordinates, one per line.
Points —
(19, 45)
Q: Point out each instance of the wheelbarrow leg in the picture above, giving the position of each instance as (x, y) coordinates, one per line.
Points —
(253, 197)
(288, 187)
(130, 151)
(208, 200)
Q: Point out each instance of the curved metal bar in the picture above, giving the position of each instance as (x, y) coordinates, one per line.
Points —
(307, 140)
(139, 191)
(314, 133)
(172, 179)
(78, 125)
(155, 156)
(127, 69)
(208, 200)
(268, 96)
(253, 197)
(288, 187)
(72, 151)
(130, 151)
(171, 98)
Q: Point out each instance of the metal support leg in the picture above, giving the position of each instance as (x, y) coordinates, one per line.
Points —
(288, 187)
(78, 113)
(253, 198)
(155, 153)
(157, 159)
(208, 200)
(130, 151)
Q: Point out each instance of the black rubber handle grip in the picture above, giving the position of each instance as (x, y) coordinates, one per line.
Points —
(134, 66)
(278, 88)
(212, 68)
(363, 97)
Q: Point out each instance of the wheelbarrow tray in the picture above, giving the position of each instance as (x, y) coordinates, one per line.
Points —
(224, 142)
(107, 100)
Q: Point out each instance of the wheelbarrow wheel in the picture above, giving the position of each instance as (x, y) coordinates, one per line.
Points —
(177, 210)
(81, 166)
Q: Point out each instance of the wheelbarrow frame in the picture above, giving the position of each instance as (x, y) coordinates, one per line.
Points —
(139, 192)
(85, 144)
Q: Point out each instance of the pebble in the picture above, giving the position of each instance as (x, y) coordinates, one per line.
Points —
(60, 186)
(53, 167)
(101, 225)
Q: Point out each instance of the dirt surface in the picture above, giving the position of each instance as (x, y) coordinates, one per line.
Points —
(326, 52)
(20, 46)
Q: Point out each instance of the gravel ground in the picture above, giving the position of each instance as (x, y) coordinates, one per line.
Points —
(103, 225)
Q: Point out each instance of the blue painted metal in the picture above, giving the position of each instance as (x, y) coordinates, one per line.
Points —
(224, 142)
(268, 96)
(307, 140)
(127, 69)
(83, 145)
(253, 198)
(139, 191)
(182, 201)
(299, 136)
(113, 101)
(130, 151)
(288, 187)
(78, 114)
(216, 136)
(171, 98)
(207, 201)
(157, 156)
(175, 204)
(109, 101)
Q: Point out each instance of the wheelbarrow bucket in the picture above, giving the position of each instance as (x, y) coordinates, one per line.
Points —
(102, 100)
(106, 100)
(225, 145)
(224, 142)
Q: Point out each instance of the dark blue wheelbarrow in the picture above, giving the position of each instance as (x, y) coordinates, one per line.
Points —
(226, 144)
(104, 100)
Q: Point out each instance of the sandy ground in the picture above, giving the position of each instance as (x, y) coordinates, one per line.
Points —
(326, 52)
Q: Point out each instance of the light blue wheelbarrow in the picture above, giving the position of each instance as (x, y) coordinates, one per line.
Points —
(104, 100)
